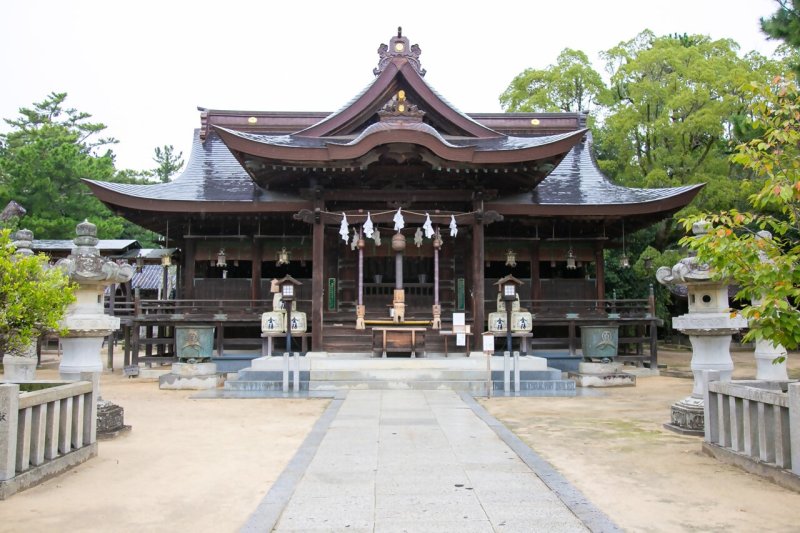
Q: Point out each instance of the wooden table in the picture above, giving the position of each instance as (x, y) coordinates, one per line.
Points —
(447, 333)
(522, 335)
(398, 339)
(267, 341)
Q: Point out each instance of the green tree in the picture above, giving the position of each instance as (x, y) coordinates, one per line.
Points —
(570, 85)
(764, 267)
(49, 149)
(168, 162)
(672, 116)
(33, 296)
(784, 24)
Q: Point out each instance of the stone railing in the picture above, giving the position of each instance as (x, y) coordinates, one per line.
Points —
(755, 425)
(47, 428)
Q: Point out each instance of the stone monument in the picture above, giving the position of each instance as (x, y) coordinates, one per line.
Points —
(709, 324)
(86, 322)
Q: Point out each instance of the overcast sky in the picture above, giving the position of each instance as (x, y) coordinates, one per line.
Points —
(144, 67)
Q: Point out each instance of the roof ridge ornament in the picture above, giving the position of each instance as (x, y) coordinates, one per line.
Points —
(399, 46)
(399, 108)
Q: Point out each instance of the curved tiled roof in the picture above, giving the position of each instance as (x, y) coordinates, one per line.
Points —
(577, 181)
(211, 175)
(481, 145)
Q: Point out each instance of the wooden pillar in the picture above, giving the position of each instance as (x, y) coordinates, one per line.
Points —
(536, 284)
(478, 257)
(255, 284)
(600, 269)
(317, 276)
(190, 250)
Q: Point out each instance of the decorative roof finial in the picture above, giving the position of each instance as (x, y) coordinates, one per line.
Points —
(399, 47)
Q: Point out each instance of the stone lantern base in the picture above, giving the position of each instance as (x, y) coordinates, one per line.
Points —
(687, 417)
(110, 420)
(191, 376)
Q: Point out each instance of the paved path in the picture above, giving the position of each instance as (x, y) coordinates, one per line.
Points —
(419, 461)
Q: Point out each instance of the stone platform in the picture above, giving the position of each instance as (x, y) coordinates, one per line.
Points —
(190, 376)
(602, 375)
(468, 374)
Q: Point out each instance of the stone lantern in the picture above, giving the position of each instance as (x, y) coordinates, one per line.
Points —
(709, 325)
(85, 320)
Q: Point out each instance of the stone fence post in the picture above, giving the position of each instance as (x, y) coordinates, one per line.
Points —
(794, 425)
(9, 412)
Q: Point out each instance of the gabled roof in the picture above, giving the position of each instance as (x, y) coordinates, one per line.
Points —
(399, 69)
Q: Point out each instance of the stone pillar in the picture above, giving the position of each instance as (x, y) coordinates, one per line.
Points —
(9, 408)
(794, 425)
(766, 352)
(710, 325)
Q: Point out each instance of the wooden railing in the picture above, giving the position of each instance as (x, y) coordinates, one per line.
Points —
(637, 308)
(141, 308)
(45, 431)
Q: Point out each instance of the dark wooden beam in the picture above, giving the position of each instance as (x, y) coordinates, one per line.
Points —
(478, 317)
(317, 276)
(255, 286)
(189, 271)
(536, 285)
(416, 217)
(600, 269)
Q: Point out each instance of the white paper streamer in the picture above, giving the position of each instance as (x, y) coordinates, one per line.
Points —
(453, 226)
(354, 242)
(427, 226)
(368, 227)
(399, 223)
(343, 228)
(418, 237)
(377, 237)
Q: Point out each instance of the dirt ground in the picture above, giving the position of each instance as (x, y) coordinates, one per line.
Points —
(187, 465)
(612, 446)
(204, 465)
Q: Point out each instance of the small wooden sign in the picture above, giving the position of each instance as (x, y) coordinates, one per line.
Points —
(130, 371)
(331, 294)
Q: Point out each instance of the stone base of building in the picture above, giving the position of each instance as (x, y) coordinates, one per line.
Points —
(191, 376)
(687, 417)
(602, 375)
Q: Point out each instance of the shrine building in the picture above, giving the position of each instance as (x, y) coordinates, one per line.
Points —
(396, 191)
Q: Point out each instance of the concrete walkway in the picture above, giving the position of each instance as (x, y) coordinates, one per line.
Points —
(385, 460)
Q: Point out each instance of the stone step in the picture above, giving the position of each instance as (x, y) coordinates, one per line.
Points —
(398, 375)
(546, 387)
